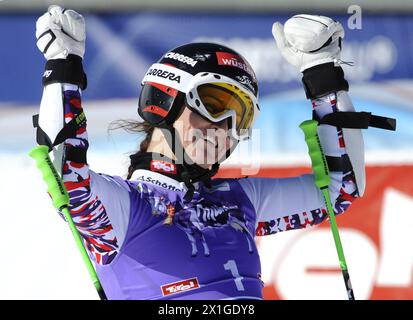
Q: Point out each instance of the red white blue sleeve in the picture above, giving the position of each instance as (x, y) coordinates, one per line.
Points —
(294, 203)
(99, 204)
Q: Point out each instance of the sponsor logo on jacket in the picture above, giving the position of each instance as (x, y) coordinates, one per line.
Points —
(163, 166)
(180, 286)
(164, 74)
(181, 58)
(161, 184)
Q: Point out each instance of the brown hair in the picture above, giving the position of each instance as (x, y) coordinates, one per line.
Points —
(133, 126)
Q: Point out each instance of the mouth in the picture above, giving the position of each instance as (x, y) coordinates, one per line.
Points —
(211, 141)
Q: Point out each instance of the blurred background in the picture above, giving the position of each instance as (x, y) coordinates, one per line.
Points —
(39, 259)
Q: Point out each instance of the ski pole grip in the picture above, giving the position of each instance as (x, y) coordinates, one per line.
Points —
(55, 185)
(318, 160)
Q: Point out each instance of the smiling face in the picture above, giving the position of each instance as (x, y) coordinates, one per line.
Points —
(204, 142)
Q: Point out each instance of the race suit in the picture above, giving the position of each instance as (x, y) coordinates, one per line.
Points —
(207, 250)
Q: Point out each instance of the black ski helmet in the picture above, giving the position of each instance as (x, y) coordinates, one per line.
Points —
(169, 83)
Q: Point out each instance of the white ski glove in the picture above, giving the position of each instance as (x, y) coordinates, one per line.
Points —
(308, 40)
(61, 32)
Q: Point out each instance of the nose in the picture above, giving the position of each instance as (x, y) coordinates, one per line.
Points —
(209, 125)
(202, 123)
(223, 124)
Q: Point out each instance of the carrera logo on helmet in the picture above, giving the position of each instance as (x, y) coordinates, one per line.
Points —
(229, 59)
(164, 74)
(180, 286)
(181, 58)
(163, 166)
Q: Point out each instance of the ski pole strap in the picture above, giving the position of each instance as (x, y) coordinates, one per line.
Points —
(339, 164)
(68, 131)
(69, 70)
(323, 79)
(41, 137)
(318, 160)
(357, 120)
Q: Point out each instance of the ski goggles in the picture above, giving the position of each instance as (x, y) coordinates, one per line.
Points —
(217, 98)
(213, 96)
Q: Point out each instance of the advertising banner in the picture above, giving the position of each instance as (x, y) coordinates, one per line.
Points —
(376, 234)
(121, 47)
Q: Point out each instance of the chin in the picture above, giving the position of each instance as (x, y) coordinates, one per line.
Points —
(205, 166)
(203, 156)
(202, 162)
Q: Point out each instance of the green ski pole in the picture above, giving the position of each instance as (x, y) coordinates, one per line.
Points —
(60, 198)
(322, 180)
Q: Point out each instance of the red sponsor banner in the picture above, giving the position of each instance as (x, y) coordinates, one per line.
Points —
(163, 166)
(377, 238)
(232, 60)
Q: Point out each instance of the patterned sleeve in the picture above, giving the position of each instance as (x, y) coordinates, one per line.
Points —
(294, 203)
(99, 204)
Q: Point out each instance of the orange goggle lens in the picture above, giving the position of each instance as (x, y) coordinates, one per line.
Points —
(219, 98)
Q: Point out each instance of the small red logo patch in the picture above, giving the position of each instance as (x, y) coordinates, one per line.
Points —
(180, 286)
(229, 59)
(163, 166)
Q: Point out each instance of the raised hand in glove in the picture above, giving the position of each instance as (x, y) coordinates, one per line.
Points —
(61, 38)
(313, 45)
(309, 40)
(61, 32)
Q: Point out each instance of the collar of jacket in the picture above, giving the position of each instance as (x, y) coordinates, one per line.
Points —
(189, 174)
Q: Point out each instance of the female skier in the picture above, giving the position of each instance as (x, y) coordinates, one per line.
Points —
(170, 231)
